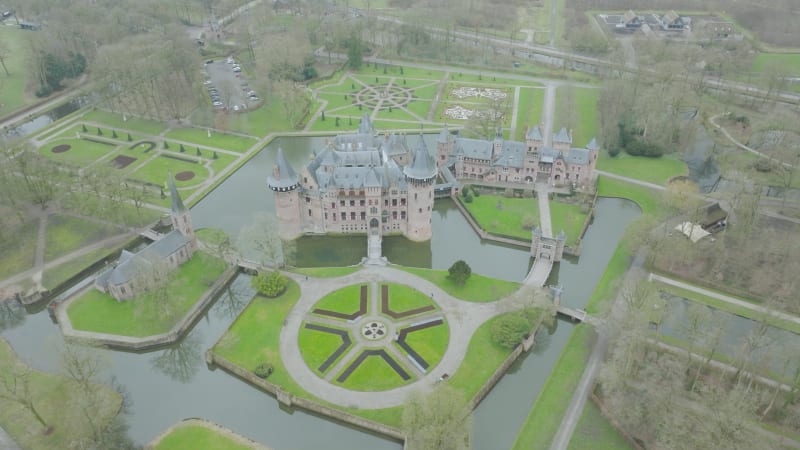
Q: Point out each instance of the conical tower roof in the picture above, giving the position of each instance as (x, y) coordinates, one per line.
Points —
(444, 136)
(366, 125)
(283, 176)
(175, 198)
(422, 167)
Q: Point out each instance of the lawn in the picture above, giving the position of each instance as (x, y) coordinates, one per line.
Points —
(374, 374)
(576, 109)
(17, 254)
(66, 234)
(419, 107)
(405, 298)
(504, 216)
(482, 359)
(219, 140)
(317, 346)
(254, 336)
(429, 343)
(652, 170)
(529, 110)
(99, 312)
(408, 72)
(81, 152)
(51, 394)
(478, 288)
(768, 62)
(568, 217)
(144, 126)
(155, 170)
(545, 417)
(595, 432)
(193, 436)
(54, 276)
(335, 101)
(606, 289)
(395, 114)
(647, 199)
(12, 94)
(346, 300)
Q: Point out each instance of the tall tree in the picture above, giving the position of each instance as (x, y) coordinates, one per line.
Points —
(437, 420)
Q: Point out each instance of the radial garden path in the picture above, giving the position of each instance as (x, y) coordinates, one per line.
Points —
(463, 317)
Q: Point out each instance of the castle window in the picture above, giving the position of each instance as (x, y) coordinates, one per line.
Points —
(333, 205)
(309, 213)
(122, 289)
(415, 195)
(326, 216)
(402, 215)
(308, 199)
(305, 179)
(344, 216)
(363, 215)
(373, 210)
(361, 203)
(420, 210)
(402, 202)
(341, 202)
(394, 215)
(386, 202)
(394, 202)
(352, 216)
(352, 203)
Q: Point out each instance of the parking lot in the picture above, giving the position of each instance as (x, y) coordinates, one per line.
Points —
(227, 86)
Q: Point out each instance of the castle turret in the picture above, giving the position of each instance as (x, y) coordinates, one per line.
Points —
(561, 240)
(365, 127)
(420, 176)
(562, 140)
(444, 146)
(534, 140)
(497, 145)
(284, 184)
(180, 216)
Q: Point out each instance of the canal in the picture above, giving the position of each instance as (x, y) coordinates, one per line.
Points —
(174, 383)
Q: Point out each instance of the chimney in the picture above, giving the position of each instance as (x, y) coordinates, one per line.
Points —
(276, 172)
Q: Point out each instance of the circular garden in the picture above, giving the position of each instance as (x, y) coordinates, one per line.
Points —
(373, 337)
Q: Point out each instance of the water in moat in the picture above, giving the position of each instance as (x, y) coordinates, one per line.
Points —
(169, 385)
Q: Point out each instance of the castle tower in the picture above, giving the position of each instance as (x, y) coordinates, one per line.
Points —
(284, 185)
(444, 146)
(372, 192)
(534, 141)
(561, 239)
(562, 141)
(497, 145)
(420, 176)
(365, 127)
(179, 214)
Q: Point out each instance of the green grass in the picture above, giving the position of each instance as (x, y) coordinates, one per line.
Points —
(419, 107)
(408, 72)
(327, 272)
(766, 62)
(219, 140)
(395, 114)
(143, 126)
(652, 170)
(374, 374)
(478, 288)
(429, 343)
(404, 298)
(66, 234)
(567, 217)
(196, 436)
(155, 171)
(51, 394)
(56, 275)
(317, 346)
(427, 92)
(12, 91)
(576, 108)
(606, 289)
(81, 154)
(506, 220)
(99, 312)
(345, 300)
(254, 336)
(335, 101)
(545, 417)
(222, 161)
(595, 432)
(529, 111)
(728, 307)
(17, 254)
(647, 199)
(482, 359)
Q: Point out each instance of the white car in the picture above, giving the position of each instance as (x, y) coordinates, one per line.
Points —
(217, 104)
(235, 107)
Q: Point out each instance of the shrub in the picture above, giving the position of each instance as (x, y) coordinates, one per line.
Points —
(114, 134)
(510, 330)
(475, 192)
(263, 370)
(215, 155)
(459, 272)
(528, 222)
(99, 131)
(763, 165)
(83, 128)
(270, 284)
(508, 193)
(182, 149)
(613, 151)
(129, 137)
(166, 144)
(465, 190)
(468, 198)
(198, 152)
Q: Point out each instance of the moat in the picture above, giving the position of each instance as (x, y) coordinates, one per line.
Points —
(168, 385)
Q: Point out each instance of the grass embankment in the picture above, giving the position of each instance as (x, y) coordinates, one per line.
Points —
(13, 94)
(651, 170)
(478, 288)
(66, 234)
(56, 275)
(545, 417)
(217, 139)
(192, 435)
(595, 432)
(18, 254)
(143, 126)
(505, 216)
(141, 316)
(57, 400)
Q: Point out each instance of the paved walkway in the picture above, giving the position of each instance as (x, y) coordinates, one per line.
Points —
(543, 195)
(548, 113)
(463, 318)
(6, 443)
(725, 298)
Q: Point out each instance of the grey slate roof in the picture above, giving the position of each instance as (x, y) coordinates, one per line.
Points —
(177, 203)
(422, 167)
(592, 145)
(285, 176)
(129, 265)
(577, 156)
(166, 245)
(474, 148)
(534, 134)
(444, 136)
(513, 155)
(562, 136)
(366, 125)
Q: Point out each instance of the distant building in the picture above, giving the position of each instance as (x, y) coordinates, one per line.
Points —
(671, 21)
(128, 276)
(519, 162)
(631, 21)
(357, 183)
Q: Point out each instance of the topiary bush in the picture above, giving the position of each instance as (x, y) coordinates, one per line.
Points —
(263, 370)
(270, 284)
(510, 329)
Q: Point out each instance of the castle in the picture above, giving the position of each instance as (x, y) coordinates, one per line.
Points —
(367, 183)
(132, 272)
(519, 162)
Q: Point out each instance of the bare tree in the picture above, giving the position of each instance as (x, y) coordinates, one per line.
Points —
(437, 419)
(15, 386)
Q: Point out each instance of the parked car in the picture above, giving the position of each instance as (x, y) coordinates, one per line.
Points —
(237, 69)
(217, 104)
(235, 107)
